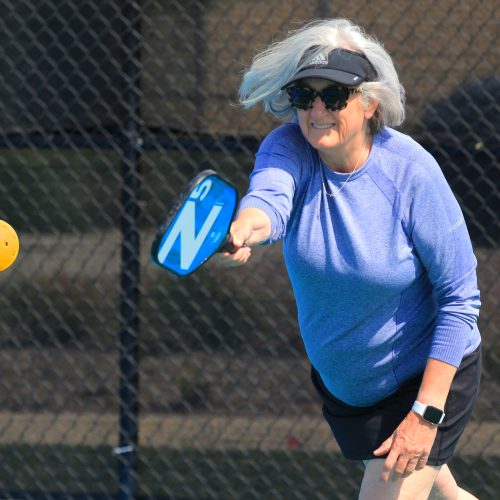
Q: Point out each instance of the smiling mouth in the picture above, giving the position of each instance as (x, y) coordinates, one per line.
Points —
(322, 127)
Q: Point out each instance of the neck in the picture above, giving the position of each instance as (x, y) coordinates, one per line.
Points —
(349, 159)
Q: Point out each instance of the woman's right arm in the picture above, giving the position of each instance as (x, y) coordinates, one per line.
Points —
(251, 227)
(265, 209)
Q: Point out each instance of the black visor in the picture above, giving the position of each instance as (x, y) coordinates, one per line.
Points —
(340, 65)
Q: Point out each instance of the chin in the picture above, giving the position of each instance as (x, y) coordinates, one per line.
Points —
(324, 145)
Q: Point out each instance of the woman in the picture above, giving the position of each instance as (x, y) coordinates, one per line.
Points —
(377, 252)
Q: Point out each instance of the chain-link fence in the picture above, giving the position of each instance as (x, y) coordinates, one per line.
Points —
(118, 380)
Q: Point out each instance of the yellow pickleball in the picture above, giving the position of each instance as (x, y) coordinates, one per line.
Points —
(9, 245)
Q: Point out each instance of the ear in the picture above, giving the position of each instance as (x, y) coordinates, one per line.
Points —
(370, 109)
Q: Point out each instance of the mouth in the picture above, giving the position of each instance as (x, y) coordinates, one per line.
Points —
(323, 126)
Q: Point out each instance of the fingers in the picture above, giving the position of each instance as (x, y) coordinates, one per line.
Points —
(385, 446)
(239, 254)
(408, 448)
(239, 232)
(404, 464)
(237, 239)
(389, 464)
(422, 462)
(401, 466)
(398, 463)
(236, 258)
(410, 467)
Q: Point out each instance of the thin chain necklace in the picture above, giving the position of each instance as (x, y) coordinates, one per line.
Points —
(347, 180)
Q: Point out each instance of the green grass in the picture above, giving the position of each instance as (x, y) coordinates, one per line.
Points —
(193, 474)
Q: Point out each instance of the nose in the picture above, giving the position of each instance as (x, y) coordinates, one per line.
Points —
(318, 105)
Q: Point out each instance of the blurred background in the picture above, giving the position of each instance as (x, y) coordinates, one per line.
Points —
(120, 381)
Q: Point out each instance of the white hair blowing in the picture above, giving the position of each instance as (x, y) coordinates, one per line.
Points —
(273, 67)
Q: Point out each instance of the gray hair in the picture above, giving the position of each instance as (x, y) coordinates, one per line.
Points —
(274, 66)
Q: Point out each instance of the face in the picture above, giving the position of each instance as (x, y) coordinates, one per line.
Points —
(337, 135)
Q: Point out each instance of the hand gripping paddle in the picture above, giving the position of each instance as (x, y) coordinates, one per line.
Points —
(197, 226)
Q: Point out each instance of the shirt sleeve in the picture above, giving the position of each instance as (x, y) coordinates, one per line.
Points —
(275, 178)
(442, 242)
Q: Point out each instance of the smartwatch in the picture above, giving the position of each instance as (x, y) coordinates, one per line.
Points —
(429, 413)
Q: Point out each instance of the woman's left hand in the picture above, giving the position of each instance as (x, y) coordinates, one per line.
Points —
(408, 447)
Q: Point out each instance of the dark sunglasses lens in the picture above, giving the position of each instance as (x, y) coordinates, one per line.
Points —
(300, 97)
(335, 98)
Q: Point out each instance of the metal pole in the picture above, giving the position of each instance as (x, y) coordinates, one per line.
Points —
(129, 307)
(324, 9)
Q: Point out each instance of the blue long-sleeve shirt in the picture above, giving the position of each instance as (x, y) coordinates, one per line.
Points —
(383, 273)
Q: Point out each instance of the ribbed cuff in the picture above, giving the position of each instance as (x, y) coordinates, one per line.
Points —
(449, 340)
(255, 202)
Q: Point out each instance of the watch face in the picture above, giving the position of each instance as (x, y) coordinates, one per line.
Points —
(433, 414)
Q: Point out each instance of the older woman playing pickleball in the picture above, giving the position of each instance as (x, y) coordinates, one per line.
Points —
(378, 254)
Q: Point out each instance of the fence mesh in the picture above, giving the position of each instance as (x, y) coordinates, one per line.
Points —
(118, 380)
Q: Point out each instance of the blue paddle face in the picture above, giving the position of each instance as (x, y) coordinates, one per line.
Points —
(198, 227)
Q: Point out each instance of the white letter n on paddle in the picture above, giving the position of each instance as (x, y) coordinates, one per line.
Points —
(185, 227)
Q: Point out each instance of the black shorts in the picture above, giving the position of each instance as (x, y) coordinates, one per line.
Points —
(361, 430)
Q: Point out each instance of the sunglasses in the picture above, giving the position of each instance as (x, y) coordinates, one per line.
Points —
(335, 98)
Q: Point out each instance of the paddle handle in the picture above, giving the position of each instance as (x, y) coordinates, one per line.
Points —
(227, 246)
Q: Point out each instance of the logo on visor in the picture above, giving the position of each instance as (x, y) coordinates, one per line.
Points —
(319, 60)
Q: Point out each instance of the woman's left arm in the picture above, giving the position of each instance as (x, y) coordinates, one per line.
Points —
(411, 443)
(437, 229)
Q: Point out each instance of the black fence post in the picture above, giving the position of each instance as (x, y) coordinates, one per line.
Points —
(130, 270)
